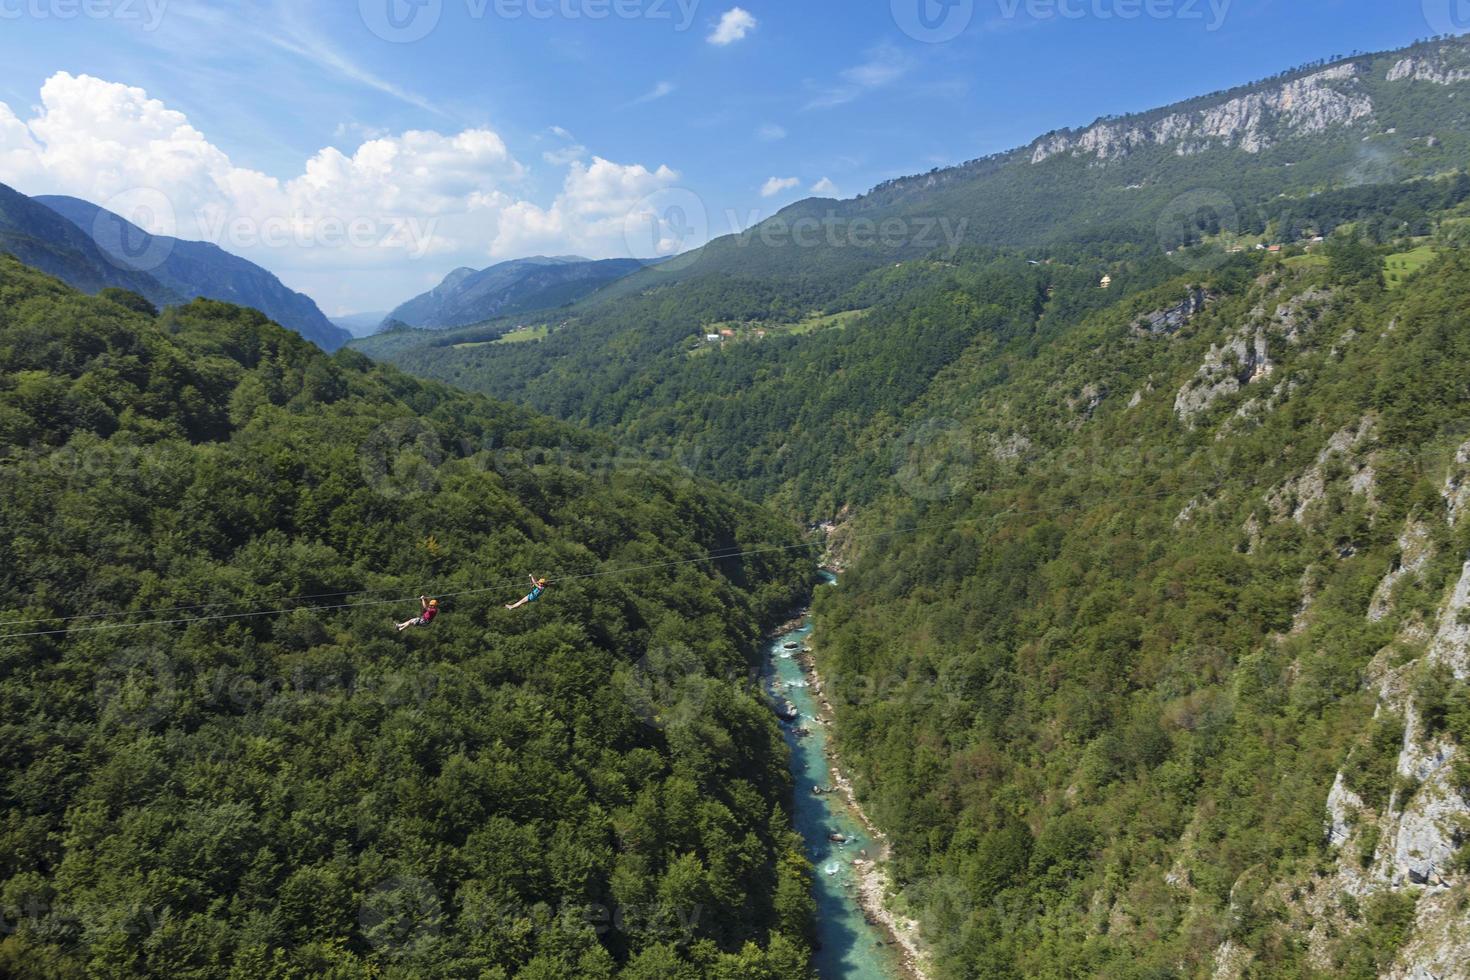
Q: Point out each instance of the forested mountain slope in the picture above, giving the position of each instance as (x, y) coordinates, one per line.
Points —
(468, 296)
(1171, 679)
(40, 237)
(194, 269)
(582, 787)
(805, 408)
(1374, 118)
(782, 409)
(857, 304)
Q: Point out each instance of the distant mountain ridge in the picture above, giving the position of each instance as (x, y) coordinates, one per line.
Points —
(42, 238)
(1367, 95)
(1369, 118)
(360, 324)
(192, 269)
(468, 296)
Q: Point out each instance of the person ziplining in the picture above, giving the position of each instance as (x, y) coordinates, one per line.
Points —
(428, 609)
(538, 587)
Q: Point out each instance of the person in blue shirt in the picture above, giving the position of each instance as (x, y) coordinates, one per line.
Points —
(538, 587)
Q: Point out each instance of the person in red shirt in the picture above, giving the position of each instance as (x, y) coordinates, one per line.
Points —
(428, 609)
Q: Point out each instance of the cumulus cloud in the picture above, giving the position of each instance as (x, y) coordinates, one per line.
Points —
(443, 198)
(777, 185)
(825, 188)
(733, 26)
(596, 205)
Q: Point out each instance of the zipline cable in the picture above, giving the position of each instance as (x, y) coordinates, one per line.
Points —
(604, 573)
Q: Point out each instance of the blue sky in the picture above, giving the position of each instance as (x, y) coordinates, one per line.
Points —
(687, 97)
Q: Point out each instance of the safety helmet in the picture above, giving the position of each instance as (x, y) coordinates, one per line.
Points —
(433, 602)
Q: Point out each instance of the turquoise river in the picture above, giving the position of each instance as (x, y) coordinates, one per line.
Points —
(851, 948)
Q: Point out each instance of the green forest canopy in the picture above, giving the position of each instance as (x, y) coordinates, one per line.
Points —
(585, 787)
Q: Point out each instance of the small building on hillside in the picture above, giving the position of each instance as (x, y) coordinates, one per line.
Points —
(712, 338)
(1106, 282)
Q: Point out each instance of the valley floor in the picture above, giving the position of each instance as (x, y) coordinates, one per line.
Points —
(873, 882)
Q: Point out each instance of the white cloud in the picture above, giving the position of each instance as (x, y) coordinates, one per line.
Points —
(567, 154)
(358, 218)
(825, 188)
(770, 133)
(589, 217)
(734, 26)
(659, 91)
(885, 65)
(777, 185)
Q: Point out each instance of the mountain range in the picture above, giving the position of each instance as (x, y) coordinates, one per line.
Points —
(1373, 118)
(42, 238)
(1141, 454)
(191, 269)
(468, 296)
(1147, 479)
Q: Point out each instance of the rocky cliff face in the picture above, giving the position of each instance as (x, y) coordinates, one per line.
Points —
(1252, 122)
(1410, 844)
(1431, 69)
(1402, 840)
(1168, 321)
